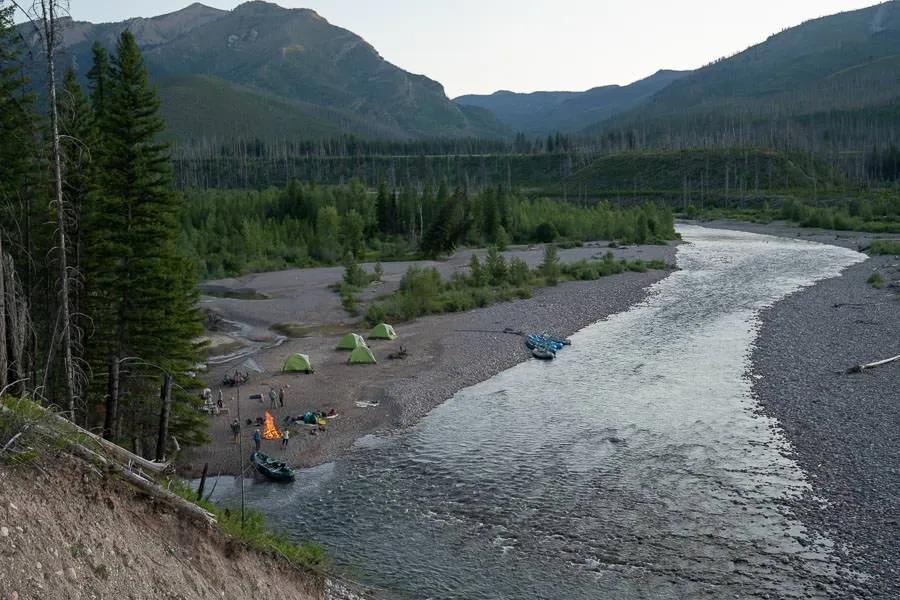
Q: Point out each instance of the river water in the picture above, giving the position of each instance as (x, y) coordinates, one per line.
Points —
(633, 466)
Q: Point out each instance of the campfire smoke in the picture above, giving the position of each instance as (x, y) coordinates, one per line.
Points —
(270, 432)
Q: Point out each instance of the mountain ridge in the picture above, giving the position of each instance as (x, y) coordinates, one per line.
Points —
(292, 56)
(546, 112)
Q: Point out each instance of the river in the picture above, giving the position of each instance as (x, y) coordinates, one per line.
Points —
(635, 465)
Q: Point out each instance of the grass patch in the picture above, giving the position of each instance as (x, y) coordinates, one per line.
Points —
(30, 434)
(424, 292)
(876, 280)
(254, 531)
(885, 247)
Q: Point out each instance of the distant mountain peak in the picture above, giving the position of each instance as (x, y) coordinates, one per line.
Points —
(259, 7)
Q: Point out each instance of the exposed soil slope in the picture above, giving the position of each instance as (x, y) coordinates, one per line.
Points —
(72, 534)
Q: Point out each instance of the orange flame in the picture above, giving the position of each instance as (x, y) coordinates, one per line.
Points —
(270, 432)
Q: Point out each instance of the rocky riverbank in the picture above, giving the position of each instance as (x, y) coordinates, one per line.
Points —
(844, 429)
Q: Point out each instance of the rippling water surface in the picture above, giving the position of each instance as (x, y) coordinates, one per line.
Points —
(634, 466)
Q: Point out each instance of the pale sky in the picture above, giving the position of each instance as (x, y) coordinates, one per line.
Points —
(480, 46)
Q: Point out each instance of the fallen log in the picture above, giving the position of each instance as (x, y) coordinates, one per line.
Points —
(861, 368)
(119, 452)
(129, 458)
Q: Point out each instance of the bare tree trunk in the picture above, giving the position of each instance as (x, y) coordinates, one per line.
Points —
(165, 397)
(4, 365)
(17, 327)
(49, 23)
(112, 399)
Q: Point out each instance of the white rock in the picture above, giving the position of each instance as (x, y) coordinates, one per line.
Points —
(4, 531)
(38, 566)
(71, 573)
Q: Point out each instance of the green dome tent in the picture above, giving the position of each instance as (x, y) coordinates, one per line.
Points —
(351, 341)
(297, 363)
(362, 356)
(383, 331)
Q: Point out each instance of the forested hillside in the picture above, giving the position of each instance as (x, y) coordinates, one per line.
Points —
(828, 86)
(284, 71)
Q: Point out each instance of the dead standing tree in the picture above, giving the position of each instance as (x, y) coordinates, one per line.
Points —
(42, 15)
(14, 325)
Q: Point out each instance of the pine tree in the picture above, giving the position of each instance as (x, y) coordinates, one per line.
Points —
(142, 290)
(99, 77)
(383, 211)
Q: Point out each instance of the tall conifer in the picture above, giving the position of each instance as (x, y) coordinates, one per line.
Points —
(142, 288)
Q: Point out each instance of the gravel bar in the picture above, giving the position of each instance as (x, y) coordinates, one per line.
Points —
(844, 429)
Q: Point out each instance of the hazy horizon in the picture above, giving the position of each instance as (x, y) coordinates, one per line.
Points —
(534, 45)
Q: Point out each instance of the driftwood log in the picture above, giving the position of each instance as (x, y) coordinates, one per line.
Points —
(866, 367)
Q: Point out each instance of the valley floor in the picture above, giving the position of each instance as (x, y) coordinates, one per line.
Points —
(446, 352)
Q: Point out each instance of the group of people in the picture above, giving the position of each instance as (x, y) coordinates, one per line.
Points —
(213, 407)
(276, 399)
(238, 378)
(257, 435)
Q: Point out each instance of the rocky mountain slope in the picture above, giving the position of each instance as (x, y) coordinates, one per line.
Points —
(830, 83)
(261, 69)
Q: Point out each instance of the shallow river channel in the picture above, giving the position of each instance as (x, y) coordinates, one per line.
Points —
(633, 466)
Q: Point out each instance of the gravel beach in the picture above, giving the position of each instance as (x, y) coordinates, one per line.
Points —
(844, 429)
(446, 352)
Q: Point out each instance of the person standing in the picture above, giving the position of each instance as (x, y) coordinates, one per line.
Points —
(281, 396)
(285, 437)
(272, 397)
(257, 438)
(235, 430)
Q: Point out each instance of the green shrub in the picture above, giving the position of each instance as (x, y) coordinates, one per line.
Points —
(518, 272)
(546, 233)
(876, 280)
(457, 301)
(885, 247)
(550, 266)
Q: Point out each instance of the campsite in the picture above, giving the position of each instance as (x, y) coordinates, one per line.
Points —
(430, 359)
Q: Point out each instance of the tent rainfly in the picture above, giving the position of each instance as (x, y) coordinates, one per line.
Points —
(351, 341)
(383, 331)
(297, 363)
(362, 356)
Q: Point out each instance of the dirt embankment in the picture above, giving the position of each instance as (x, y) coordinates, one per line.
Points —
(69, 534)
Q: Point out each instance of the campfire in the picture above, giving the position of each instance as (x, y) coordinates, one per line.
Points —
(270, 432)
